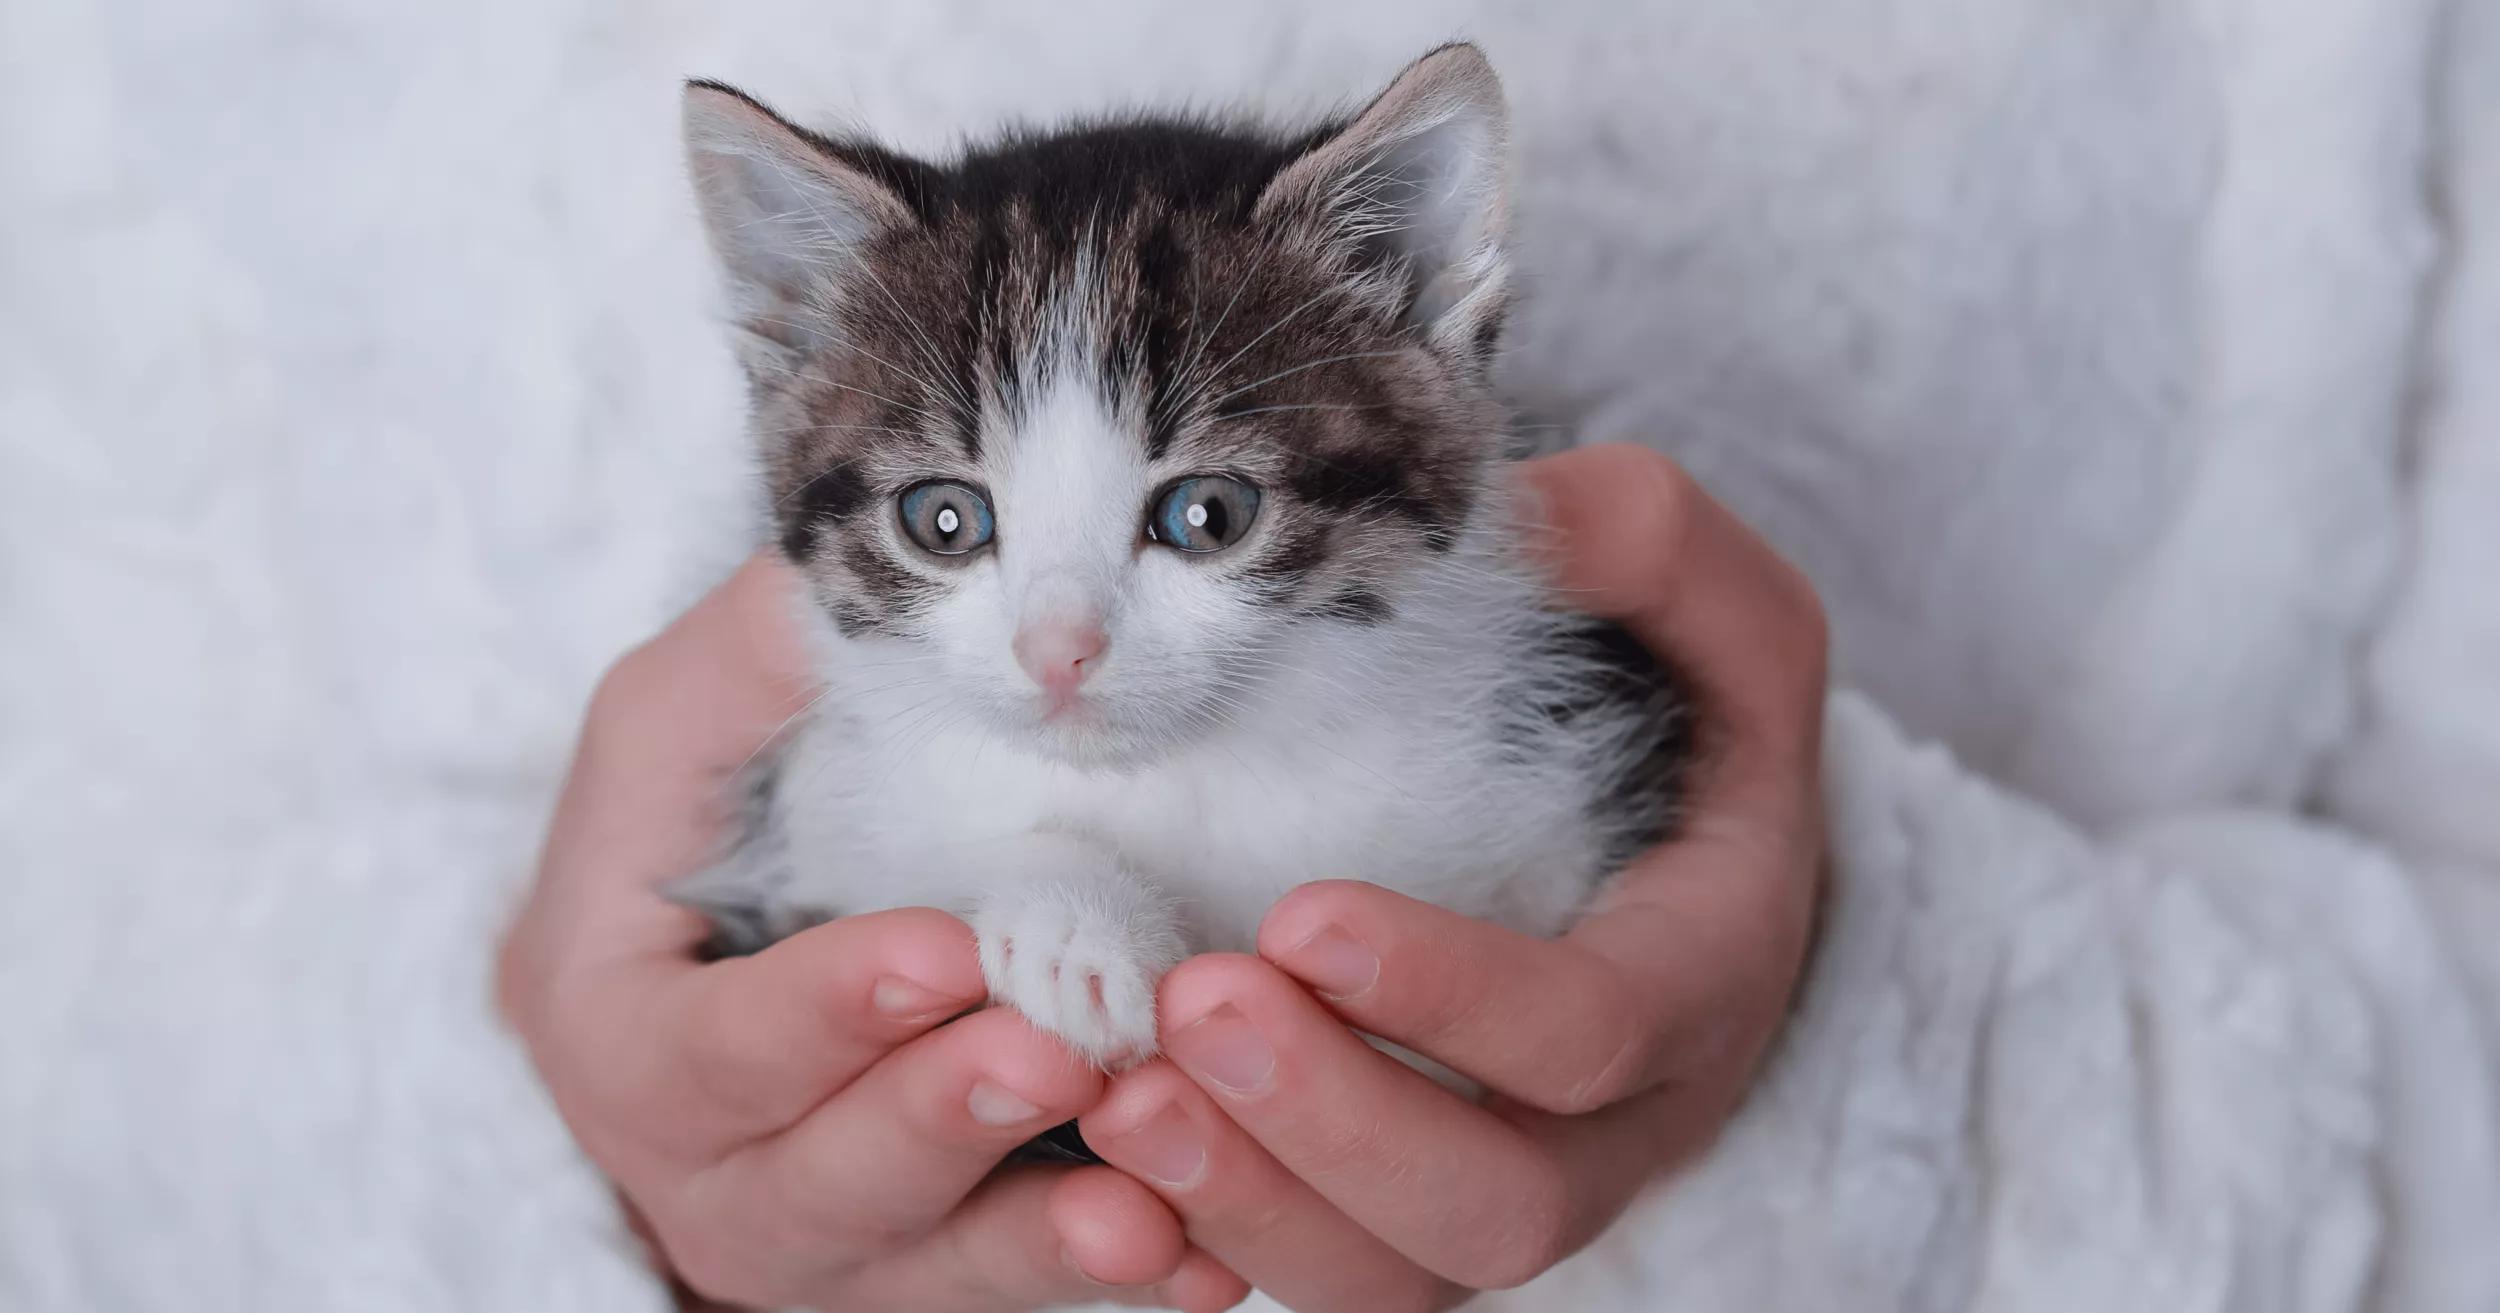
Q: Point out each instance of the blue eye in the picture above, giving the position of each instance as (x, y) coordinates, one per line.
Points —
(1203, 513)
(949, 519)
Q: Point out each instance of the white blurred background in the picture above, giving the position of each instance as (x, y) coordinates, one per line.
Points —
(2127, 374)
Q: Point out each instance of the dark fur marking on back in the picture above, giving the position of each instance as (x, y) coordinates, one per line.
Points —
(1641, 801)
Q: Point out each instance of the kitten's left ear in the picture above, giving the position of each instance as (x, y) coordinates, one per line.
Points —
(1418, 184)
(788, 212)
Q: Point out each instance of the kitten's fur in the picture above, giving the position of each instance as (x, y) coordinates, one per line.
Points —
(1369, 684)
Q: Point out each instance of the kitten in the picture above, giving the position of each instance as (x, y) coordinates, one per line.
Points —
(1150, 495)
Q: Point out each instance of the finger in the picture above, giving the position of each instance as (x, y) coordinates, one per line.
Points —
(707, 1058)
(1544, 1022)
(1709, 928)
(1631, 536)
(1021, 1241)
(902, 1146)
(1442, 1181)
(1118, 1233)
(1607, 1082)
(670, 727)
(1204, 1285)
(746, 1046)
(1242, 1205)
(1675, 979)
(723, 678)
(1610, 1155)
(1113, 1229)
(645, 801)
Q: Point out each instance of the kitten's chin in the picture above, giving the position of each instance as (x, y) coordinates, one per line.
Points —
(1094, 739)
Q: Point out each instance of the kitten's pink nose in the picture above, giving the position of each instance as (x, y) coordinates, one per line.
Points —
(1055, 653)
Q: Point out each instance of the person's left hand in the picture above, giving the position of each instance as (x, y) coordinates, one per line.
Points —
(1334, 1177)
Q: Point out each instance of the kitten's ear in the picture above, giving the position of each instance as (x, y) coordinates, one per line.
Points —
(1418, 182)
(785, 211)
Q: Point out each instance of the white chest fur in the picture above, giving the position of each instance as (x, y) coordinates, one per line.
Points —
(1408, 772)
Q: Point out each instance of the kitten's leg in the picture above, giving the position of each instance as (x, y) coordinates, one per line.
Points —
(1077, 944)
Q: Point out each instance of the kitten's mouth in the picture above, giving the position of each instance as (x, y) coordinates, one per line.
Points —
(1066, 709)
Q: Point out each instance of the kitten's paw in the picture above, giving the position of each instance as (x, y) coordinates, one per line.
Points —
(1077, 946)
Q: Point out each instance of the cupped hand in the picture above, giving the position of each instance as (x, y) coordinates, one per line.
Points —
(805, 1126)
(1334, 1177)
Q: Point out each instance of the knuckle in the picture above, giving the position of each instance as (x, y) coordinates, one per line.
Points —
(794, 1213)
(722, 1084)
(1666, 491)
(621, 700)
(710, 1263)
(1446, 997)
(1614, 1063)
(1806, 614)
(1533, 1234)
(1805, 630)
(1418, 1292)
(1246, 1218)
(623, 685)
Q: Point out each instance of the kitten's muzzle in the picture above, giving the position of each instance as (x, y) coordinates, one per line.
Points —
(1059, 654)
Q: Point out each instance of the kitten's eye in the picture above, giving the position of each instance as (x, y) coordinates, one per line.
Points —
(1203, 513)
(947, 518)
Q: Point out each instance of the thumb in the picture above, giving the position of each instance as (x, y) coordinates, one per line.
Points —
(650, 794)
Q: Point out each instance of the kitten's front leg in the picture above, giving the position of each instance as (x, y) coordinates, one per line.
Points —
(1077, 944)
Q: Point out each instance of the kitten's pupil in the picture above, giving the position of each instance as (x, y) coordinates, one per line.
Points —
(947, 518)
(1203, 513)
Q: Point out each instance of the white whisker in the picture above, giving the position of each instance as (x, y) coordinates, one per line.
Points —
(1308, 364)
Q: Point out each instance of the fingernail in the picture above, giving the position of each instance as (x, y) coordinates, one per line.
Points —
(1335, 963)
(993, 1104)
(904, 1000)
(1225, 1048)
(1164, 1148)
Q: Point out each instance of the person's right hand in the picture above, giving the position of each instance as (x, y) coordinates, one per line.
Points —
(804, 1126)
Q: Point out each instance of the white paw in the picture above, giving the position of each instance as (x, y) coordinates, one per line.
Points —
(1077, 946)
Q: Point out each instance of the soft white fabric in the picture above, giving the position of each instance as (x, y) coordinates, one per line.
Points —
(2424, 768)
(2219, 1063)
(358, 398)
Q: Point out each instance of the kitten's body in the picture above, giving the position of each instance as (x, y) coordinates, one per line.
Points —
(1360, 677)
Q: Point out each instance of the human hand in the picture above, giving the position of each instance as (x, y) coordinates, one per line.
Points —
(1334, 1177)
(804, 1126)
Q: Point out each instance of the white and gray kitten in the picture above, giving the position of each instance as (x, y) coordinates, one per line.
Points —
(1150, 492)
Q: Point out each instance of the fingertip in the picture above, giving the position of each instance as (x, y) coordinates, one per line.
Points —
(1621, 512)
(920, 946)
(1034, 1065)
(1115, 1231)
(757, 599)
(1132, 1098)
(1307, 909)
(1210, 980)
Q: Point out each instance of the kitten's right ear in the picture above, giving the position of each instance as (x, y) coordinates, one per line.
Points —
(1419, 183)
(785, 212)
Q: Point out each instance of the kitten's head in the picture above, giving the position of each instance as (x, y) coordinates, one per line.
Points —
(1100, 426)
